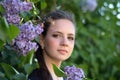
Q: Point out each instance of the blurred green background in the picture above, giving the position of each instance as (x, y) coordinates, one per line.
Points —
(97, 47)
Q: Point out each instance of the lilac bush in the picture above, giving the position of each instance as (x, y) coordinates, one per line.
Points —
(23, 43)
(74, 73)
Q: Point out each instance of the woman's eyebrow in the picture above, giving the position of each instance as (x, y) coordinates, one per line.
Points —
(71, 34)
(57, 32)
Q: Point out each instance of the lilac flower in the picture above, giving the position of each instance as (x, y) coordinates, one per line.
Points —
(15, 6)
(91, 5)
(23, 43)
(11, 6)
(38, 29)
(13, 19)
(24, 46)
(88, 5)
(28, 32)
(25, 6)
(74, 73)
(13, 9)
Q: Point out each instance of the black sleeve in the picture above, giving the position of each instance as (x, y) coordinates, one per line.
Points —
(34, 75)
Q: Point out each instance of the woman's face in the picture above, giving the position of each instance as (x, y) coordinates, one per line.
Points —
(59, 41)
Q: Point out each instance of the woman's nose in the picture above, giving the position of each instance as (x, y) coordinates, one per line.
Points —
(64, 42)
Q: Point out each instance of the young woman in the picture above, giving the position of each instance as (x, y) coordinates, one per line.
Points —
(56, 44)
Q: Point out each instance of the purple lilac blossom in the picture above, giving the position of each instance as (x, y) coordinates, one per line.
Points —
(13, 9)
(11, 6)
(38, 30)
(91, 5)
(74, 73)
(88, 5)
(15, 19)
(25, 6)
(23, 46)
(28, 32)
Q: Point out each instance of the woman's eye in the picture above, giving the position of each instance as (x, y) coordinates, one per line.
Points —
(56, 35)
(71, 38)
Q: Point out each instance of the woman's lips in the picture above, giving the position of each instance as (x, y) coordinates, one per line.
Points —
(62, 51)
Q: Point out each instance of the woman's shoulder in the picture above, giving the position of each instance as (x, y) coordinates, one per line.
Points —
(34, 75)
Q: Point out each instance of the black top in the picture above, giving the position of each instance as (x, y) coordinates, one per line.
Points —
(35, 75)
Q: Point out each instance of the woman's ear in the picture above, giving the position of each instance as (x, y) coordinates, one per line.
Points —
(42, 41)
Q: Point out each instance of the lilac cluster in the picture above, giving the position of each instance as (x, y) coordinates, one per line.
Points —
(28, 32)
(23, 43)
(88, 5)
(13, 8)
(74, 73)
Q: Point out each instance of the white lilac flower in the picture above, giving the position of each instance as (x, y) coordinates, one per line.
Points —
(74, 73)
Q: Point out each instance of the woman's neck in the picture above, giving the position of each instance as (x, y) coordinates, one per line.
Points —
(49, 62)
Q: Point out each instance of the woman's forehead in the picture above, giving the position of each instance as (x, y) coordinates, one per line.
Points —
(62, 25)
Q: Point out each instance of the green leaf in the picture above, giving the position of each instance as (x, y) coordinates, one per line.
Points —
(1, 43)
(28, 68)
(13, 32)
(25, 15)
(27, 59)
(2, 10)
(7, 32)
(20, 76)
(1, 78)
(4, 23)
(43, 5)
(34, 1)
(2, 74)
(58, 71)
(9, 70)
(2, 35)
(3, 29)
(36, 11)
